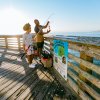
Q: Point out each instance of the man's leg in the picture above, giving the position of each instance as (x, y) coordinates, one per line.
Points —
(40, 47)
(40, 51)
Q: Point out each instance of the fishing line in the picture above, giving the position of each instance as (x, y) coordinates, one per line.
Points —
(49, 17)
(46, 21)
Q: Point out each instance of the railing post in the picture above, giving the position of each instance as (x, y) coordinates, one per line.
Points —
(18, 39)
(89, 59)
(6, 42)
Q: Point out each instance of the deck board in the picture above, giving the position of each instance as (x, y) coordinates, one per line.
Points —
(18, 81)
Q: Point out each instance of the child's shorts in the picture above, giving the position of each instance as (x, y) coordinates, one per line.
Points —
(29, 49)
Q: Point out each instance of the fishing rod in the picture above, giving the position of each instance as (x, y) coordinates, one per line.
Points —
(49, 17)
(46, 21)
(23, 54)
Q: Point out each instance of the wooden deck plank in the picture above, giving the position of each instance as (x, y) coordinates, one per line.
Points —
(4, 70)
(11, 76)
(50, 93)
(22, 90)
(48, 74)
(29, 90)
(70, 94)
(39, 86)
(8, 85)
(4, 64)
(18, 81)
(29, 96)
(14, 86)
(44, 89)
(61, 94)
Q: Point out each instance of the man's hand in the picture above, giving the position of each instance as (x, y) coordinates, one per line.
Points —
(48, 31)
(48, 22)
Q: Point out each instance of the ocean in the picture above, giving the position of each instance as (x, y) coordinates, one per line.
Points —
(87, 34)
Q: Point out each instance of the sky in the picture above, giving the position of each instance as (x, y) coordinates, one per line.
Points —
(64, 15)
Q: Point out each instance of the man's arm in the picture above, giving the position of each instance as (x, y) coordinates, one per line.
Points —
(46, 25)
(46, 32)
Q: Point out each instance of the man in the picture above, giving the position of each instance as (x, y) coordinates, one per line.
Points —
(39, 38)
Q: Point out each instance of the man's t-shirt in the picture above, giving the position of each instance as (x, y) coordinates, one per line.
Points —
(38, 29)
(39, 33)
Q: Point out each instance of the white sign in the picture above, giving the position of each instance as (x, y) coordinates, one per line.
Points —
(61, 57)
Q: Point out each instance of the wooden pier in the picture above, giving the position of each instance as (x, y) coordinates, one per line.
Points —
(17, 81)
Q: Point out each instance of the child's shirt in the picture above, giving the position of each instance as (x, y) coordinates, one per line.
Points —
(28, 39)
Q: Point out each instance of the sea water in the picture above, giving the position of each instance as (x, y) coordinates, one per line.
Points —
(87, 34)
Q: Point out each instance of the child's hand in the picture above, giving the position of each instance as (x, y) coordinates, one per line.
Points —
(25, 51)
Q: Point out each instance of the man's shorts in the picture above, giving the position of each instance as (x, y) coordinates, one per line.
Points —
(40, 44)
(29, 49)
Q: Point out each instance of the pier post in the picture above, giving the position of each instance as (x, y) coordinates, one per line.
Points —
(18, 39)
(89, 59)
(6, 42)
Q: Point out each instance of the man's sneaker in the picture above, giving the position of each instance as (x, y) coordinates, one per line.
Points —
(32, 65)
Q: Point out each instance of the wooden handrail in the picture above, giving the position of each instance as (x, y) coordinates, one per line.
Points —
(89, 77)
(85, 63)
(9, 43)
(86, 87)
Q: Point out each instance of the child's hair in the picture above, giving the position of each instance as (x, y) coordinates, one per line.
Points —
(26, 27)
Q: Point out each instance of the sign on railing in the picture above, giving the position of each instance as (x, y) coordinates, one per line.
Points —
(61, 57)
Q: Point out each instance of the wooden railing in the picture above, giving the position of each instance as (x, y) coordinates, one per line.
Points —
(11, 42)
(83, 72)
(83, 69)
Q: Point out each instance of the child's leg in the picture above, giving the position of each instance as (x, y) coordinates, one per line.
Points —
(29, 59)
(32, 56)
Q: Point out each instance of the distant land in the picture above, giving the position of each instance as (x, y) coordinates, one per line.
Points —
(96, 31)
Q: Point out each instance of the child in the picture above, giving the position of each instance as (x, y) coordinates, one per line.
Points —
(39, 36)
(28, 44)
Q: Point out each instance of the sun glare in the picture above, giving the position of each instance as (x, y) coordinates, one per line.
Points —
(11, 21)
